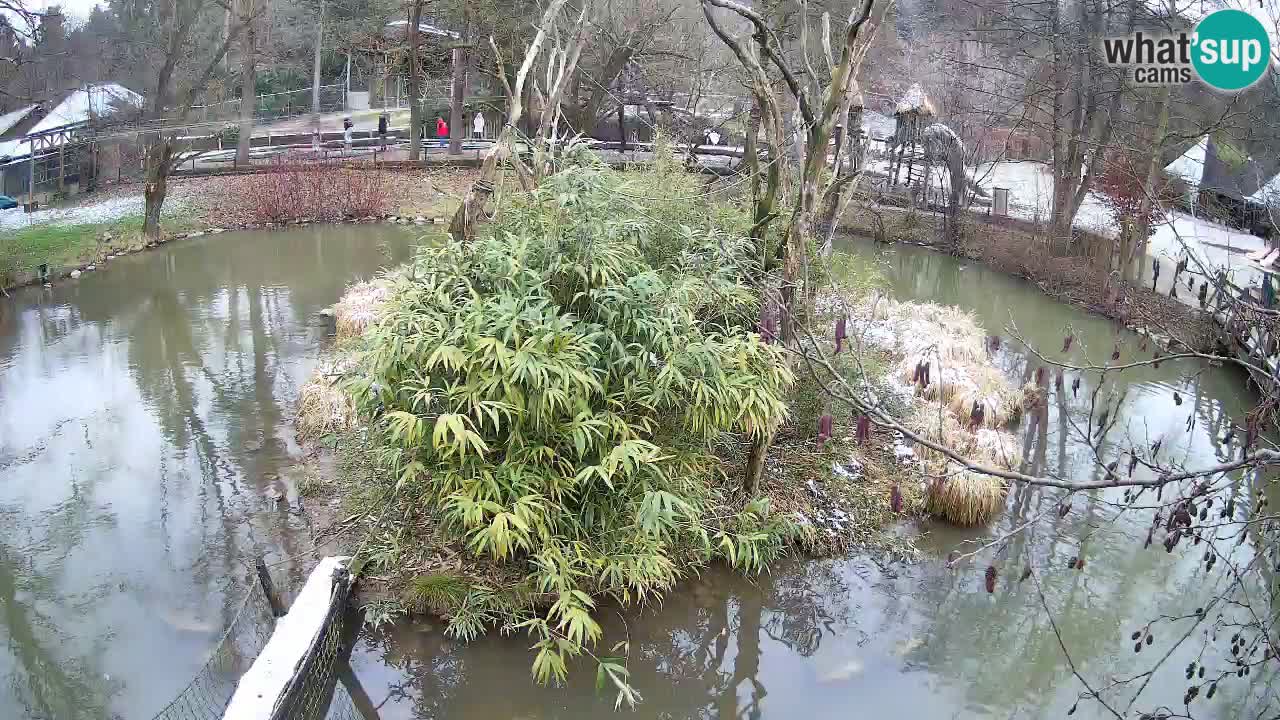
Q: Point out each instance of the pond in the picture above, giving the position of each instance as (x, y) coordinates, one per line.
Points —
(145, 437)
(850, 638)
(144, 430)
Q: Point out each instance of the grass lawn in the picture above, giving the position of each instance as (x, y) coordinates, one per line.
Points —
(64, 246)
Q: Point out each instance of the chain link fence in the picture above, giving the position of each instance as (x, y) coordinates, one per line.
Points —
(273, 106)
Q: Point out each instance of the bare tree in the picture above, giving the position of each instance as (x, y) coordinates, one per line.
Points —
(414, 32)
(172, 99)
(315, 80)
(560, 65)
(248, 13)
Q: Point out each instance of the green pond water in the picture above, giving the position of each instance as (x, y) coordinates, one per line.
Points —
(145, 437)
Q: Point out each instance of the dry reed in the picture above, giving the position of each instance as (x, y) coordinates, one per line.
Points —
(964, 498)
(964, 401)
(323, 406)
(358, 309)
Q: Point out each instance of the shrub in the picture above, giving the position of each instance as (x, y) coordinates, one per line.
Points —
(1123, 188)
(299, 187)
(552, 391)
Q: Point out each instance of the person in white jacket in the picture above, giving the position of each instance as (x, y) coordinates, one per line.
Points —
(477, 126)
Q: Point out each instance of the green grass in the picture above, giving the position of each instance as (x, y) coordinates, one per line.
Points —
(63, 246)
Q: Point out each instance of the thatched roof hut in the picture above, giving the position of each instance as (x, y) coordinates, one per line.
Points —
(915, 103)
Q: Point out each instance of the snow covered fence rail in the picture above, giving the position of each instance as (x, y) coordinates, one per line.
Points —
(295, 675)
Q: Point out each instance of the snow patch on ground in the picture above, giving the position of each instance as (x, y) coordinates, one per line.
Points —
(88, 214)
(1030, 185)
(1215, 246)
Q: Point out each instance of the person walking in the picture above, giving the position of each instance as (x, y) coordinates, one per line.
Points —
(382, 130)
(442, 131)
(477, 126)
(346, 133)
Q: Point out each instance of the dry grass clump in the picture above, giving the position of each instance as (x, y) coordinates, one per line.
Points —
(358, 309)
(956, 494)
(965, 498)
(323, 406)
(985, 446)
(949, 344)
(963, 401)
(962, 388)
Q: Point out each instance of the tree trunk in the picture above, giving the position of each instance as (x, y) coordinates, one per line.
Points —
(622, 127)
(315, 83)
(1142, 224)
(415, 85)
(159, 160)
(248, 86)
(456, 134)
(755, 465)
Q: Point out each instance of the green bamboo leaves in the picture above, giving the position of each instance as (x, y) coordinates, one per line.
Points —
(552, 392)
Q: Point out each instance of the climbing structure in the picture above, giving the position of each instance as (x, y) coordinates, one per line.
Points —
(912, 114)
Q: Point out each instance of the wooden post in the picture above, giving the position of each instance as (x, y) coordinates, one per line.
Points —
(622, 127)
(31, 176)
(62, 167)
(269, 588)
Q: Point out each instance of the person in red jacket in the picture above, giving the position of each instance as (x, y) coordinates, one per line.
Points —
(442, 131)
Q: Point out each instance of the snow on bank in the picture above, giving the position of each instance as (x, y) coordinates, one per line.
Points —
(88, 214)
(1030, 185)
(1214, 245)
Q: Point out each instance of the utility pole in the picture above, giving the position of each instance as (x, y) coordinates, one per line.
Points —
(315, 83)
(458, 90)
(415, 108)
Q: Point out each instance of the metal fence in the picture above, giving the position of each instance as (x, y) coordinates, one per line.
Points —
(208, 693)
(311, 689)
(321, 687)
(273, 106)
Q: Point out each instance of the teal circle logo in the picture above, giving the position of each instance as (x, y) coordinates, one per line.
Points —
(1231, 50)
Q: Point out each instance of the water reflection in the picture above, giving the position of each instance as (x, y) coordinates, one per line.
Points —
(846, 639)
(144, 427)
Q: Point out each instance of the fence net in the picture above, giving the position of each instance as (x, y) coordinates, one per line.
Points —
(319, 687)
(208, 693)
(311, 690)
